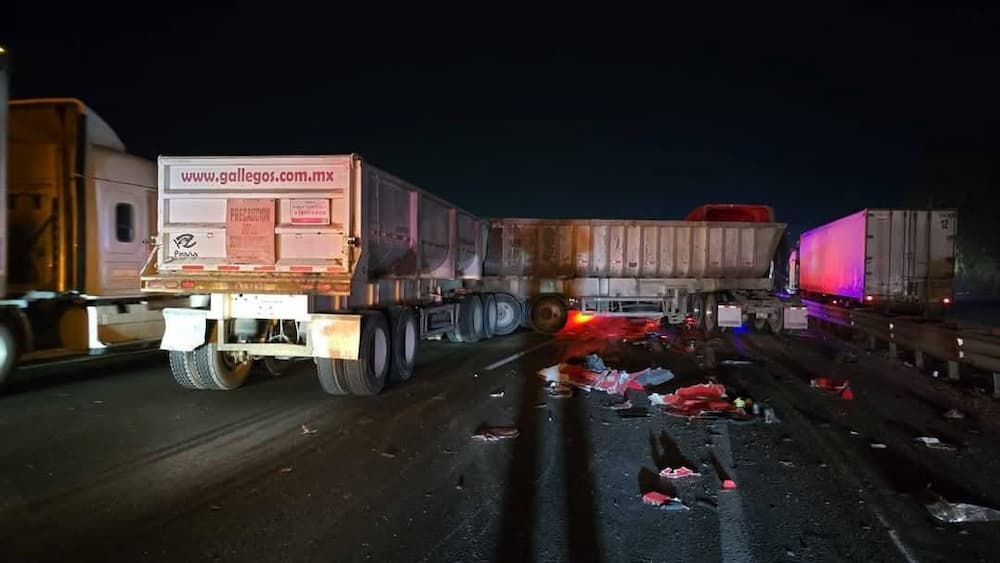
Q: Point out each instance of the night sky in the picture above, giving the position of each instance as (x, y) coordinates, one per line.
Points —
(518, 112)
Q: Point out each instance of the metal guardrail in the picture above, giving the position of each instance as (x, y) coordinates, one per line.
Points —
(976, 346)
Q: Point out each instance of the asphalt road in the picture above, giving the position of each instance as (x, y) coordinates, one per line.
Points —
(116, 463)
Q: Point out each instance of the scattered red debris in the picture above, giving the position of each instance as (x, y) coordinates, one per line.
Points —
(697, 400)
(728, 485)
(656, 499)
(842, 388)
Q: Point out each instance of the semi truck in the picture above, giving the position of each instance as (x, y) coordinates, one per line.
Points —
(333, 259)
(76, 211)
(900, 259)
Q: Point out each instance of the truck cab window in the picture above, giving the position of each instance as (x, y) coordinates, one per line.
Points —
(124, 222)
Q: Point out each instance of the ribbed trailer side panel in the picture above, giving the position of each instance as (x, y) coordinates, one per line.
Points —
(631, 249)
(881, 256)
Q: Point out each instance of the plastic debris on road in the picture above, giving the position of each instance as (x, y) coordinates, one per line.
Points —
(958, 513)
(954, 414)
(653, 376)
(494, 433)
(306, 430)
(613, 382)
(678, 473)
(663, 501)
(498, 394)
(697, 400)
(933, 443)
(842, 388)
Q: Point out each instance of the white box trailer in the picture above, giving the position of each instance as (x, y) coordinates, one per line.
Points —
(76, 217)
(719, 272)
(322, 257)
(892, 258)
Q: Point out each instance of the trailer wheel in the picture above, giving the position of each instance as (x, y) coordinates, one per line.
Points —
(696, 308)
(331, 376)
(711, 312)
(776, 321)
(470, 319)
(367, 374)
(489, 315)
(8, 354)
(221, 371)
(275, 367)
(183, 369)
(548, 314)
(405, 341)
(509, 313)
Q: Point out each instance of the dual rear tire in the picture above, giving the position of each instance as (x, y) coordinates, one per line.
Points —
(208, 368)
(387, 352)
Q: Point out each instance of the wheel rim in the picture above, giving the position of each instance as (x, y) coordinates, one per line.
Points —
(549, 315)
(505, 314)
(410, 341)
(380, 350)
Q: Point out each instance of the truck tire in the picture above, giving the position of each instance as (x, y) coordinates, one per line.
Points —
(367, 374)
(331, 376)
(8, 354)
(510, 313)
(776, 321)
(405, 339)
(711, 313)
(548, 313)
(183, 369)
(218, 370)
(489, 315)
(696, 308)
(470, 319)
(275, 367)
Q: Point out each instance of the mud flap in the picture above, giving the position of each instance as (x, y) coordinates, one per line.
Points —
(184, 330)
(336, 337)
(796, 318)
(730, 315)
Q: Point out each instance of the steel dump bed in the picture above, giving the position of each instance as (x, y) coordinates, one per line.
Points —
(666, 250)
(301, 224)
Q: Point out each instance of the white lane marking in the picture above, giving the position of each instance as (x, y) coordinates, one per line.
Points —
(894, 536)
(513, 357)
(734, 538)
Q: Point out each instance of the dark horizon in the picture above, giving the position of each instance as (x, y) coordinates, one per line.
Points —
(816, 114)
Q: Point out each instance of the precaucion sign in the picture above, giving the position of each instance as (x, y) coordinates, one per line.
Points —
(250, 231)
(310, 211)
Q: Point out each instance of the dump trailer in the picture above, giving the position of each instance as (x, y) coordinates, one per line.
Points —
(887, 258)
(717, 272)
(76, 229)
(325, 258)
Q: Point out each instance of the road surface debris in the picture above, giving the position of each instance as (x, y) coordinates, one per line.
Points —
(494, 433)
(307, 430)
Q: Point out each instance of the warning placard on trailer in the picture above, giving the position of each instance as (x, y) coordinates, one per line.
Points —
(250, 231)
(310, 211)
